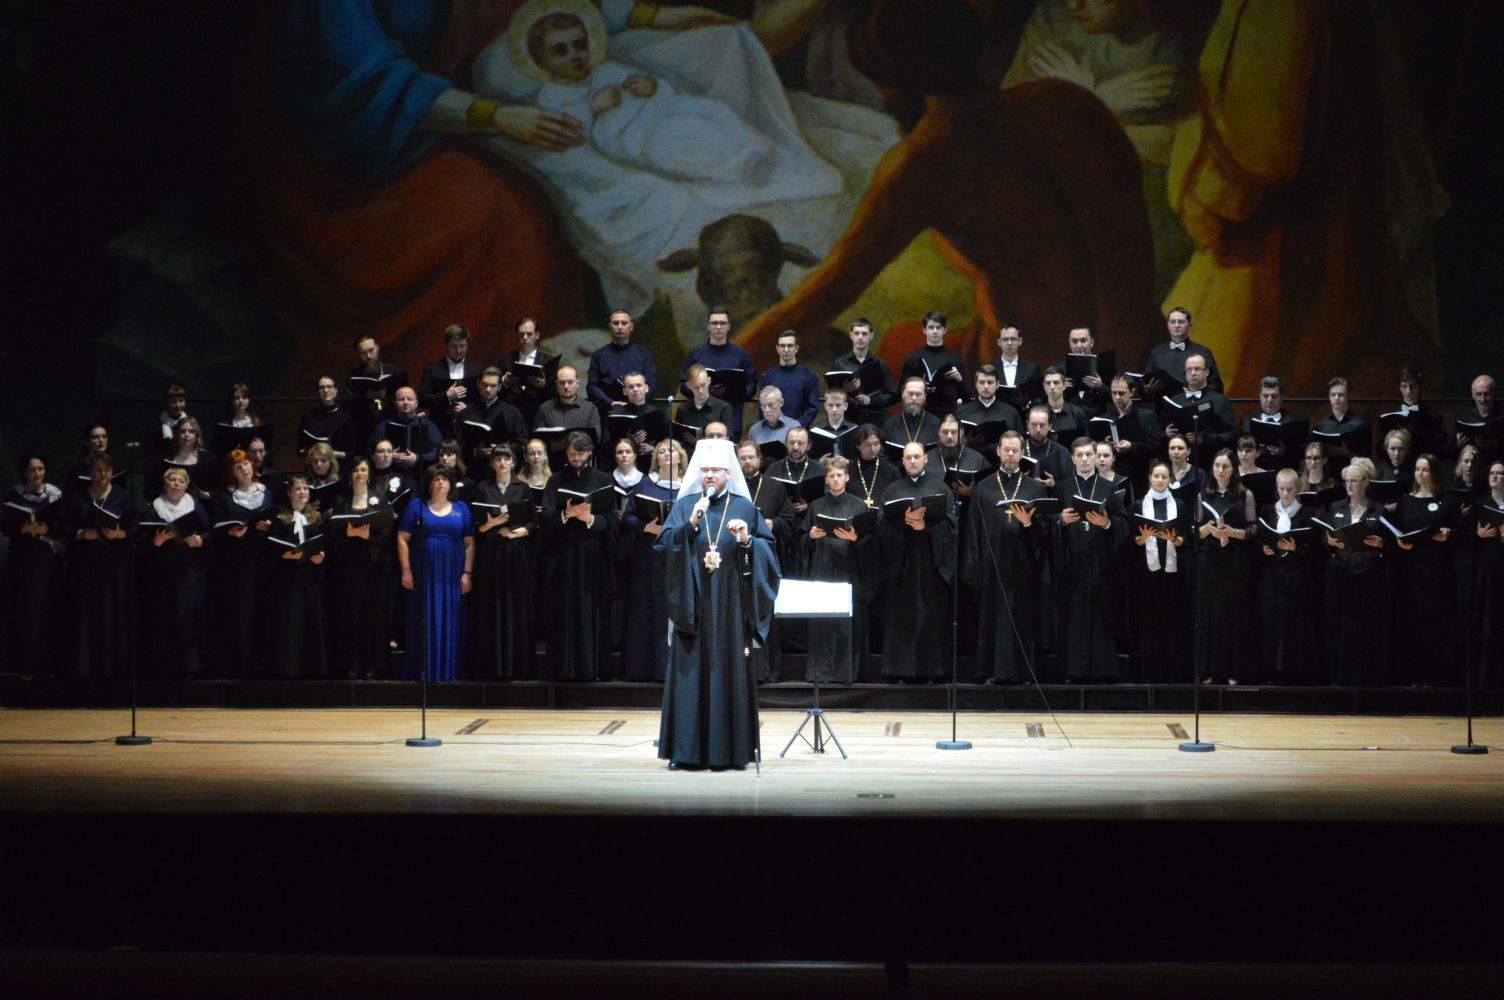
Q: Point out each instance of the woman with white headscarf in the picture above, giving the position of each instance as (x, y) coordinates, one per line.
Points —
(720, 576)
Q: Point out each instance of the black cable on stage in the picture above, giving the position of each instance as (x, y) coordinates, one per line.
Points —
(997, 573)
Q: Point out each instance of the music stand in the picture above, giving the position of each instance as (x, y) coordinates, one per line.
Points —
(813, 599)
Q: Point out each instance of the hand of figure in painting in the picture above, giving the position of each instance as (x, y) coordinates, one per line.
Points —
(550, 130)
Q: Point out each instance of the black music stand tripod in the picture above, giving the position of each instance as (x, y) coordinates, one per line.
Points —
(814, 599)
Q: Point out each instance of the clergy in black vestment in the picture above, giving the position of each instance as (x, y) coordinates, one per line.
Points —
(1044, 458)
(1000, 559)
(912, 422)
(919, 564)
(1091, 531)
(579, 566)
(797, 468)
(33, 570)
(501, 603)
(721, 577)
(1288, 591)
(772, 502)
(871, 473)
(98, 571)
(839, 553)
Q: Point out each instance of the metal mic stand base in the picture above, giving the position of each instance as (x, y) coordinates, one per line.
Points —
(953, 745)
(142, 741)
(425, 741)
(1467, 748)
(1198, 747)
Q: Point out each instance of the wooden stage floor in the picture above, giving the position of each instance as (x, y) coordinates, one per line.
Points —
(1101, 766)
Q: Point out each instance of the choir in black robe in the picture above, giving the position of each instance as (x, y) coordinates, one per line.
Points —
(1000, 559)
(579, 578)
(1085, 596)
(1486, 626)
(1424, 593)
(33, 581)
(330, 425)
(238, 586)
(298, 641)
(919, 568)
(1161, 601)
(360, 574)
(203, 475)
(172, 583)
(502, 605)
(838, 646)
(644, 639)
(1226, 644)
(709, 697)
(789, 546)
(99, 624)
(1357, 607)
(772, 502)
(1289, 599)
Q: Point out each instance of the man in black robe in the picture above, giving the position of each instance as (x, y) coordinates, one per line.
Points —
(1001, 558)
(425, 437)
(942, 370)
(1343, 433)
(867, 401)
(913, 422)
(1091, 394)
(700, 410)
(1202, 415)
(1043, 457)
(630, 419)
(579, 568)
(984, 418)
(919, 563)
(528, 391)
(1135, 434)
(370, 388)
(721, 578)
(772, 502)
(327, 423)
(839, 552)
(1067, 420)
(1091, 531)
(490, 420)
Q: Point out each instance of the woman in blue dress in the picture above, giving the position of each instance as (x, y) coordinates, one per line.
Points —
(436, 570)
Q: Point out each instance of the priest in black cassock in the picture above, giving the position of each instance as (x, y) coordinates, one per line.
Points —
(1091, 531)
(579, 565)
(919, 564)
(1001, 560)
(911, 423)
(789, 472)
(772, 502)
(721, 577)
(836, 550)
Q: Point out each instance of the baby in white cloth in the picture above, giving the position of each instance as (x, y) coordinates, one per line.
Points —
(633, 118)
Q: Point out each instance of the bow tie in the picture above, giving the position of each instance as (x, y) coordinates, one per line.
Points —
(1409, 409)
(1193, 395)
(1177, 347)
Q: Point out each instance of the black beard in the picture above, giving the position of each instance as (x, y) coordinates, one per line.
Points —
(913, 410)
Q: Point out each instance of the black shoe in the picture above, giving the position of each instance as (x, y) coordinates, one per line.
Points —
(673, 765)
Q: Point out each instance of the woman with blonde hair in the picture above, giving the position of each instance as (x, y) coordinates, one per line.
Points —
(1357, 608)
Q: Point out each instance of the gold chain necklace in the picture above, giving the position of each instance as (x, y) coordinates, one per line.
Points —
(713, 543)
(1004, 490)
(866, 490)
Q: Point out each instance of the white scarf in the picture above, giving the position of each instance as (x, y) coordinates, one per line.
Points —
(628, 481)
(170, 512)
(1283, 524)
(249, 499)
(299, 523)
(1151, 547)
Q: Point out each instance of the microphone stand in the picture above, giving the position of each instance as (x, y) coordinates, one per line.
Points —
(1195, 745)
(423, 739)
(1469, 747)
(133, 740)
(955, 619)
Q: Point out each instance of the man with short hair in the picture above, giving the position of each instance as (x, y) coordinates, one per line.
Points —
(696, 412)
(1482, 425)
(1014, 374)
(726, 359)
(1133, 432)
(800, 388)
(612, 362)
(567, 412)
(775, 424)
(984, 418)
(426, 436)
(1002, 559)
(527, 392)
(174, 412)
(942, 370)
(1164, 371)
(830, 430)
(919, 564)
(578, 583)
(491, 419)
(772, 502)
(1341, 428)
(1067, 420)
(1202, 415)
(635, 387)
(952, 458)
(797, 467)
(867, 401)
(717, 430)
(1092, 530)
(445, 387)
(1091, 395)
(1271, 411)
(370, 387)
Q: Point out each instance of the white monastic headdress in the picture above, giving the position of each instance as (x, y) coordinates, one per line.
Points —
(714, 453)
